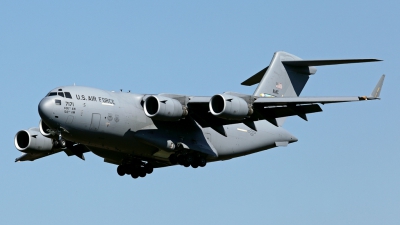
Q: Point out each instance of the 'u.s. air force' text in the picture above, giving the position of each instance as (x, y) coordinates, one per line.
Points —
(95, 99)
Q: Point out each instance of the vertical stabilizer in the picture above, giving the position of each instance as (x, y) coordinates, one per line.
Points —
(282, 80)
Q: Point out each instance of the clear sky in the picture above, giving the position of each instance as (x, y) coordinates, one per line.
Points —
(343, 170)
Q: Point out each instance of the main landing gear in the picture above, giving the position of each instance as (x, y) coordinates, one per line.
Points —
(137, 169)
(188, 159)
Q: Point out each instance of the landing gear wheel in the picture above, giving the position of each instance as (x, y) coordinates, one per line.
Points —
(181, 160)
(186, 164)
(173, 159)
(142, 172)
(195, 164)
(128, 169)
(189, 159)
(202, 162)
(134, 174)
(120, 170)
(62, 143)
(148, 168)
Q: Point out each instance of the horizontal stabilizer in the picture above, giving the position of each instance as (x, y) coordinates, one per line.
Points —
(256, 78)
(327, 62)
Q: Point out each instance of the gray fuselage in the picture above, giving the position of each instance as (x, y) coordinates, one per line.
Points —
(114, 125)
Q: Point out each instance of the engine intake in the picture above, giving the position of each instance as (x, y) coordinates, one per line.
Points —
(44, 129)
(163, 108)
(229, 107)
(31, 141)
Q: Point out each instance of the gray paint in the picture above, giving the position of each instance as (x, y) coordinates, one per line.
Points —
(113, 125)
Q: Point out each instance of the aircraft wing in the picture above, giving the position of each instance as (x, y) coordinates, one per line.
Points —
(70, 150)
(271, 108)
(308, 100)
(265, 109)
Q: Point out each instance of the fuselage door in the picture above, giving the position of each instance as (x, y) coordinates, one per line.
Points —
(95, 121)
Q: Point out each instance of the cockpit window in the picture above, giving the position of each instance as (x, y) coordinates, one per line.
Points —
(68, 95)
(61, 94)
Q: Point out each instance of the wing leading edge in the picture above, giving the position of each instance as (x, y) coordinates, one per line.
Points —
(272, 108)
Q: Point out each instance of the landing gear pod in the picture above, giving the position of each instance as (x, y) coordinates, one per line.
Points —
(31, 141)
(163, 108)
(229, 107)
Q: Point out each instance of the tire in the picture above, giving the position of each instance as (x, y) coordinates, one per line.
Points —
(135, 174)
(128, 169)
(62, 143)
(148, 168)
(190, 158)
(120, 170)
(195, 164)
(173, 159)
(202, 162)
(142, 172)
(181, 160)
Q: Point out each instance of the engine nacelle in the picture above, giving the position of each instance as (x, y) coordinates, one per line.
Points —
(163, 108)
(44, 129)
(229, 107)
(31, 141)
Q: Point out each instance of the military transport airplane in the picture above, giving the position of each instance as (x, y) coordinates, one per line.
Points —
(140, 132)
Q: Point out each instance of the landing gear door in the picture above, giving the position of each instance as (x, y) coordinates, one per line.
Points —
(95, 121)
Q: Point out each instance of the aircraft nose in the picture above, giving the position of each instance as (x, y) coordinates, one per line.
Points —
(45, 108)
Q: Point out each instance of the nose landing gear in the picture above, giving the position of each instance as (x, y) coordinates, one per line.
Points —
(61, 143)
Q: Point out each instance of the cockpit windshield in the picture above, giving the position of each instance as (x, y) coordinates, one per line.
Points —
(61, 94)
(67, 95)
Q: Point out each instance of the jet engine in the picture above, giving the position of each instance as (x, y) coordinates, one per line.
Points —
(44, 129)
(163, 108)
(229, 107)
(31, 141)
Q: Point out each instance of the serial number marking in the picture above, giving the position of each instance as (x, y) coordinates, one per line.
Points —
(69, 107)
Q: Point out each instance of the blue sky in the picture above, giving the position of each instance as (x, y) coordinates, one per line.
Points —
(343, 170)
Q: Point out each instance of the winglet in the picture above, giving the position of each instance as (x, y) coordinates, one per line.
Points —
(377, 90)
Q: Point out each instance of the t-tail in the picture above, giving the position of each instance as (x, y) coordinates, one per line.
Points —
(287, 75)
